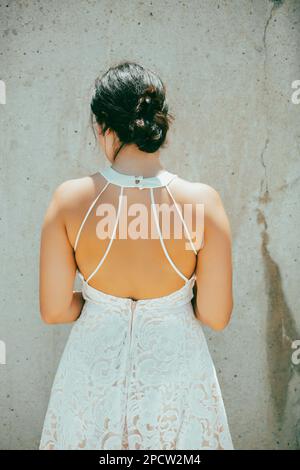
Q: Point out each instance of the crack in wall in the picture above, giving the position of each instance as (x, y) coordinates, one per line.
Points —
(265, 30)
(265, 198)
(275, 6)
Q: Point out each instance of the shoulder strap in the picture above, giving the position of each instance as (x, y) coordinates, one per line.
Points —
(87, 214)
(112, 237)
(183, 221)
(161, 238)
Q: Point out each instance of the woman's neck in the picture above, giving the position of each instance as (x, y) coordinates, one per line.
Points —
(141, 164)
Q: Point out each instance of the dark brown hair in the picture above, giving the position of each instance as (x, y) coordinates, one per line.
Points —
(131, 100)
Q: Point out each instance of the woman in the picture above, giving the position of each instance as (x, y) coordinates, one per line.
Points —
(136, 372)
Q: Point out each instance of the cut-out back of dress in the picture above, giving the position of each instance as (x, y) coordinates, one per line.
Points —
(123, 180)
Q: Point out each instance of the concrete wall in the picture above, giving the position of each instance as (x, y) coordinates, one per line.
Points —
(229, 68)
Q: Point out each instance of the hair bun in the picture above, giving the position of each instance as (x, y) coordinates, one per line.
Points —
(131, 100)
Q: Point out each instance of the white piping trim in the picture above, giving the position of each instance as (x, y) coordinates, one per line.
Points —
(87, 214)
(161, 239)
(183, 221)
(112, 237)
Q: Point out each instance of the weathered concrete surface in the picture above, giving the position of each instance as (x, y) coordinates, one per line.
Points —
(228, 66)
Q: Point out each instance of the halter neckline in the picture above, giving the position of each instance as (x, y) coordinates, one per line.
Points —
(137, 181)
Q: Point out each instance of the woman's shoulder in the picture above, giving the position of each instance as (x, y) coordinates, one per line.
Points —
(209, 198)
(196, 191)
(70, 193)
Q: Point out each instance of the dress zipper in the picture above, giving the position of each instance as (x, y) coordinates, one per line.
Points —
(128, 371)
(132, 308)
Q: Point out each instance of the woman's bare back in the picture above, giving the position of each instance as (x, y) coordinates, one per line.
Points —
(135, 268)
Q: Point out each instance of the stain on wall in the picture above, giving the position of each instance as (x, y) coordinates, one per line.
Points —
(281, 330)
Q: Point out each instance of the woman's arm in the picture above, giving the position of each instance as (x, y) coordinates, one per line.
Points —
(58, 302)
(214, 299)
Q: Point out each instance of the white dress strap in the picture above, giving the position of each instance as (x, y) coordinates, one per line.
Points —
(183, 221)
(161, 238)
(111, 239)
(87, 214)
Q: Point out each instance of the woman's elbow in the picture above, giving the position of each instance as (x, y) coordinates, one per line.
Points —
(219, 326)
(50, 317)
(218, 323)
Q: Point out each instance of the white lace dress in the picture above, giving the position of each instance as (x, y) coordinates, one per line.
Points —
(136, 374)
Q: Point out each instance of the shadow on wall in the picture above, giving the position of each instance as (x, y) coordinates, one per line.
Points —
(281, 332)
